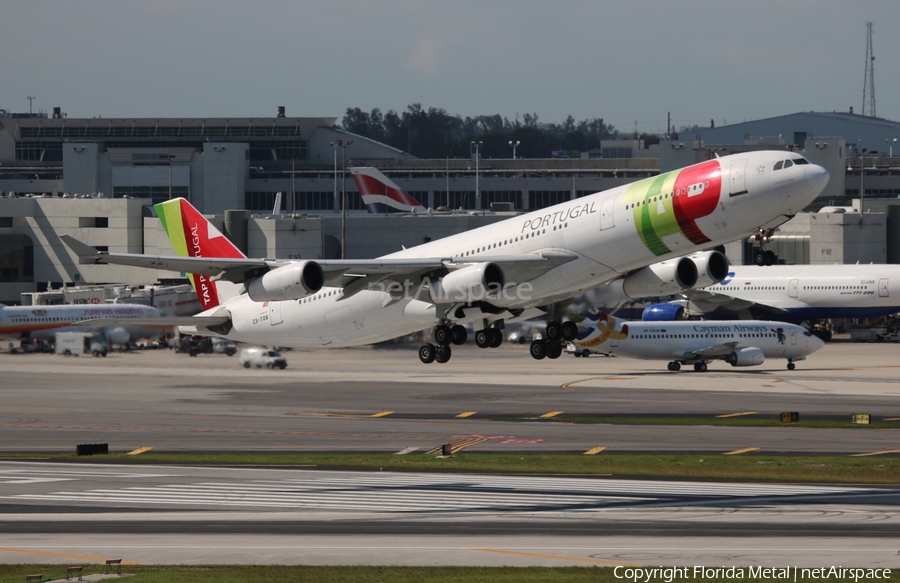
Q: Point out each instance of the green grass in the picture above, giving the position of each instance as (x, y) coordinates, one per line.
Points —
(823, 469)
(304, 574)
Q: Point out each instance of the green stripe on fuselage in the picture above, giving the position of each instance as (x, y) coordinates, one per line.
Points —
(652, 225)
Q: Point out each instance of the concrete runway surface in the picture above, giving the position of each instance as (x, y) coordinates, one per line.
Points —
(385, 400)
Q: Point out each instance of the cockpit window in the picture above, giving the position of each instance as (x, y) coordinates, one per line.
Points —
(788, 163)
(799, 161)
(807, 333)
(778, 165)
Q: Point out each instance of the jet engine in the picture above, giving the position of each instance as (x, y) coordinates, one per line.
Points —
(712, 267)
(473, 283)
(661, 279)
(746, 357)
(663, 313)
(290, 282)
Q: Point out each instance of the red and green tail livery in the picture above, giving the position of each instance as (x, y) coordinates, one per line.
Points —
(194, 236)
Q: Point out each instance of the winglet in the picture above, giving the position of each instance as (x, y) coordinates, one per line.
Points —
(86, 254)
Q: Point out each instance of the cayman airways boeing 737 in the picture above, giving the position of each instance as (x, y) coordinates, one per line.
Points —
(516, 269)
(737, 342)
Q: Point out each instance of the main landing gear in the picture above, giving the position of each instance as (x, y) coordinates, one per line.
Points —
(444, 335)
(555, 336)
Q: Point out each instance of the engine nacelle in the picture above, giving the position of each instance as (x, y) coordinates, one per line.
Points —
(663, 313)
(746, 357)
(477, 282)
(661, 279)
(712, 267)
(289, 282)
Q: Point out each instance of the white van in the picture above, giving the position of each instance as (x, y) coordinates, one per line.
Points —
(262, 357)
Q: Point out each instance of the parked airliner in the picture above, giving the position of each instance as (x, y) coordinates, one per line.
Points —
(44, 322)
(793, 293)
(517, 269)
(737, 342)
(380, 194)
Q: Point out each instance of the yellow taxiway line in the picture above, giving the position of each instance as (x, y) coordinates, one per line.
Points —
(465, 414)
(727, 415)
(595, 450)
(139, 451)
(550, 414)
(740, 451)
(875, 453)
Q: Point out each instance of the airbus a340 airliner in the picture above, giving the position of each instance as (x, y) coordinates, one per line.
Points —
(516, 269)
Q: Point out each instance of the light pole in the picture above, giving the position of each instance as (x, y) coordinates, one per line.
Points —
(343, 147)
(447, 153)
(171, 157)
(477, 148)
(514, 146)
(334, 202)
(890, 143)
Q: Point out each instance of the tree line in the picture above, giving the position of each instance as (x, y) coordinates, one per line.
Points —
(433, 133)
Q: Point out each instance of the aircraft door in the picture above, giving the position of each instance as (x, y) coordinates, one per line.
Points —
(793, 337)
(792, 288)
(883, 287)
(736, 182)
(613, 342)
(607, 209)
(275, 313)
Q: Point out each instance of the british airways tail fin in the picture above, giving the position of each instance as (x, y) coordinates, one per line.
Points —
(194, 236)
(380, 194)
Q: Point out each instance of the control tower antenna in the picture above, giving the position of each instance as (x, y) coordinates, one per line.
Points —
(30, 99)
(869, 81)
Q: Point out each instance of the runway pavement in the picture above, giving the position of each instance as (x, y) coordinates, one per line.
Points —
(376, 399)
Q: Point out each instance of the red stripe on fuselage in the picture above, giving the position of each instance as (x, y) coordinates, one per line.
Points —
(706, 179)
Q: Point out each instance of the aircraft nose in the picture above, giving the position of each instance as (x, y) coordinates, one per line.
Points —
(815, 343)
(816, 178)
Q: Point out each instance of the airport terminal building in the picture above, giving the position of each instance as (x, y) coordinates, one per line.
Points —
(97, 178)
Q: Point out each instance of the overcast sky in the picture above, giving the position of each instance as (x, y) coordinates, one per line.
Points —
(625, 61)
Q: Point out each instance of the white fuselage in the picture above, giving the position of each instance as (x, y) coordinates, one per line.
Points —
(605, 232)
(814, 292)
(678, 340)
(44, 322)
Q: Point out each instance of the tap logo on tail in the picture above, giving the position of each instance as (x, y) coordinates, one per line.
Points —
(194, 236)
(380, 194)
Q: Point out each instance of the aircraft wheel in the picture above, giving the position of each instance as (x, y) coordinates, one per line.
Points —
(569, 330)
(676, 365)
(771, 258)
(554, 350)
(483, 338)
(700, 367)
(791, 366)
(538, 349)
(759, 257)
(442, 335)
(554, 331)
(427, 353)
(247, 364)
(496, 337)
(459, 334)
(442, 354)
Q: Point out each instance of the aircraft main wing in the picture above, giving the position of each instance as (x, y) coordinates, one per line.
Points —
(338, 272)
(708, 301)
(715, 351)
(160, 322)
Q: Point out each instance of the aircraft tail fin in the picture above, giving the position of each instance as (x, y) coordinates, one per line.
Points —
(380, 194)
(192, 235)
